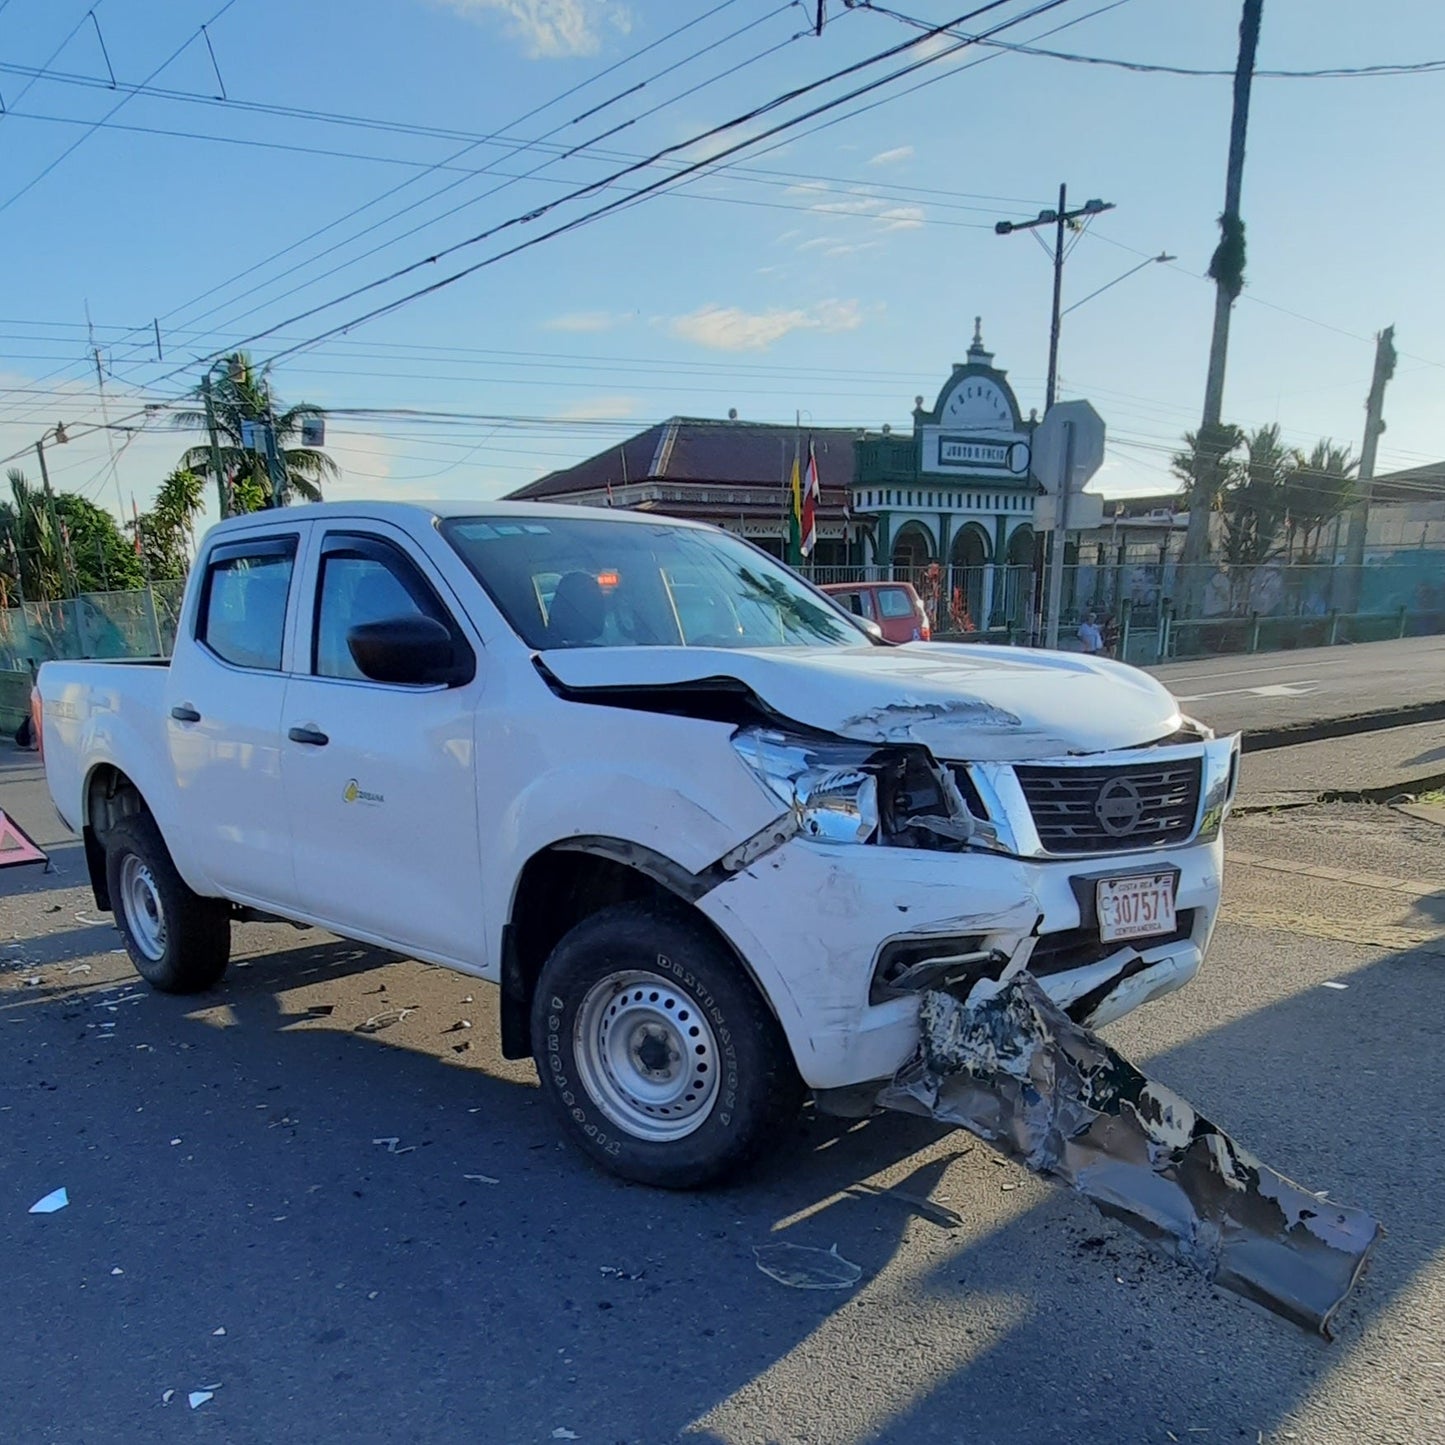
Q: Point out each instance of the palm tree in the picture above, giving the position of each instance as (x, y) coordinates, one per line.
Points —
(242, 394)
(1254, 503)
(1321, 485)
(31, 548)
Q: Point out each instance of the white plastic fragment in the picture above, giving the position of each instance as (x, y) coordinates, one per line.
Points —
(1330, 983)
(562, 1433)
(117, 1270)
(197, 1398)
(481, 1178)
(391, 1145)
(220, 1331)
(800, 1266)
(167, 1397)
(56, 1199)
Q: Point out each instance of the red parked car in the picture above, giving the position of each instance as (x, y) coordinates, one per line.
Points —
(894, 606)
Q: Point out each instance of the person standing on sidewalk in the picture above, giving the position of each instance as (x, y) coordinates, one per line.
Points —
(1090, 635)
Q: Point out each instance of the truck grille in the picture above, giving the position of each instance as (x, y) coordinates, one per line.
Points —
(1115, 809)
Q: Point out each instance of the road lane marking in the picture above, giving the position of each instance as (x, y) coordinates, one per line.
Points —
(1269, 689)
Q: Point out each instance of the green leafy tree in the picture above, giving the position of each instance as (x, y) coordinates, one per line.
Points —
(104, 559)
(239, 395)
(167, 530)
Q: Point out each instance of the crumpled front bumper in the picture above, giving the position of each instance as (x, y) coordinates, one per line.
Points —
(811, 921)
(1002, 1061)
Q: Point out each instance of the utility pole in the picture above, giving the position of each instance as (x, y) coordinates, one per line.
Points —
(1227, 270)
(62, 546)
(1060, 220)
(1374, 424)
(222, 499)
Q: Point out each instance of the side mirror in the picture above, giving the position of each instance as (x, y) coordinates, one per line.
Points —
(871, 628)
(417, 651)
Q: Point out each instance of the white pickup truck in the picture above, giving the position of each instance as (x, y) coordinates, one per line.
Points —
(708, 834)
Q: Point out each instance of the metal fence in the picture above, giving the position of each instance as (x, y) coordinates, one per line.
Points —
(1138, 600)
(139, 623)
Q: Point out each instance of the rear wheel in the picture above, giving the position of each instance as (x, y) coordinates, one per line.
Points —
(178, 941)
(658, 1052)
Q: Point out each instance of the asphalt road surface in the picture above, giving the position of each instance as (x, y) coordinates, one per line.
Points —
(1279, 689)
(319, 1195)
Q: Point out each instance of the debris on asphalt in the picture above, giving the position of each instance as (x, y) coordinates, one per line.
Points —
(117, 1270)
(56, 1199)
(1005, 1062)
(384, 1020)
(487, 1179)
(392, 1143)
(800, 1266)
(33, 980)
(457, 1027)
(460, 1048)
(93, 922)
(197, 1398)
(78, 968)
(560, 1433)
(611, 1271)
(939, 1214)
(220, 1331)
(1330, 983)
(167, 1396)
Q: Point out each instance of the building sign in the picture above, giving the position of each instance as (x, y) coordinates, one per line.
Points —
(957, 451)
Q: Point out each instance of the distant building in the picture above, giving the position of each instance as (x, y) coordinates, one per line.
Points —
(956, 491)
(734, 474)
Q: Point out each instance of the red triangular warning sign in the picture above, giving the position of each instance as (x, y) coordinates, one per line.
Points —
(15, 847)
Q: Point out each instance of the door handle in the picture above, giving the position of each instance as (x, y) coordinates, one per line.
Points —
(184, 712)
(312, 737)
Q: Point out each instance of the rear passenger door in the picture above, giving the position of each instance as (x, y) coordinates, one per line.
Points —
(223, 726)
(381, 778)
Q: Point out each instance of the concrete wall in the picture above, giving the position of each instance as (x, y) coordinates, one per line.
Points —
(14, 701)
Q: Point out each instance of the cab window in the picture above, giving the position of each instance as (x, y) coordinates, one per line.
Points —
(242, 614)
(364, 579)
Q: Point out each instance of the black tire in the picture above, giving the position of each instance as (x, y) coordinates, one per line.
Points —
(189, 951)
(758, 1092)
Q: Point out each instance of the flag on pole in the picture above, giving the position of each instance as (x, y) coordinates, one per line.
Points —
(812, 496)
(795, 515)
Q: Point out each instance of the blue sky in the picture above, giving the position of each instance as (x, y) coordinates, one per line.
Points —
(837, 274)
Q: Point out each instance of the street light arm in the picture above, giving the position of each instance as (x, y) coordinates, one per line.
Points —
(1149, 261)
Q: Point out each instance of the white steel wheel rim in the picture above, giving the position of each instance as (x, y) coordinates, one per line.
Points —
(647, 1056)
(144, 912)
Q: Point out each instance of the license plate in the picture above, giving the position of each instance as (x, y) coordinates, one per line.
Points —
(1135, 907)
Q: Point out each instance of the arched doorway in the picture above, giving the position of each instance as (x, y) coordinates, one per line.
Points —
(1016, 601)
(967, 558)
(912, 551)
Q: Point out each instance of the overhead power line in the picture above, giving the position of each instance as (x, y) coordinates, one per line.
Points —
(1140, 67)
(655, 186)
(96, 125)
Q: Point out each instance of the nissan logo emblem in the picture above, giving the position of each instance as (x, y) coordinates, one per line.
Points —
(1119, 807)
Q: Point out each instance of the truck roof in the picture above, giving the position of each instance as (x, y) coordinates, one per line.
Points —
(440, 510)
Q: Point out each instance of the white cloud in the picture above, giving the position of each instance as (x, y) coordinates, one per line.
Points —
(902, 218)
(862, 206)
(587, 321)
(549, 29)
(599, 408)
(892, 157)
(730, 328)
(855, 248)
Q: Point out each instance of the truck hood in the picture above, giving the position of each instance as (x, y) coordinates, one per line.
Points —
(961, 701)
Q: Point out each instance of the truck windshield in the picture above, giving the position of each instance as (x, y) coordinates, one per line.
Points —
(610, 583)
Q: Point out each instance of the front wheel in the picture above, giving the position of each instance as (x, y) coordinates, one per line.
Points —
(178, 941)
(657, 1050)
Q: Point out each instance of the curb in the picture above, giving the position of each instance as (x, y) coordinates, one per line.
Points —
(1319, 730)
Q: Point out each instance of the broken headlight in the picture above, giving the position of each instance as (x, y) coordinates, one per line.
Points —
(842, 792)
